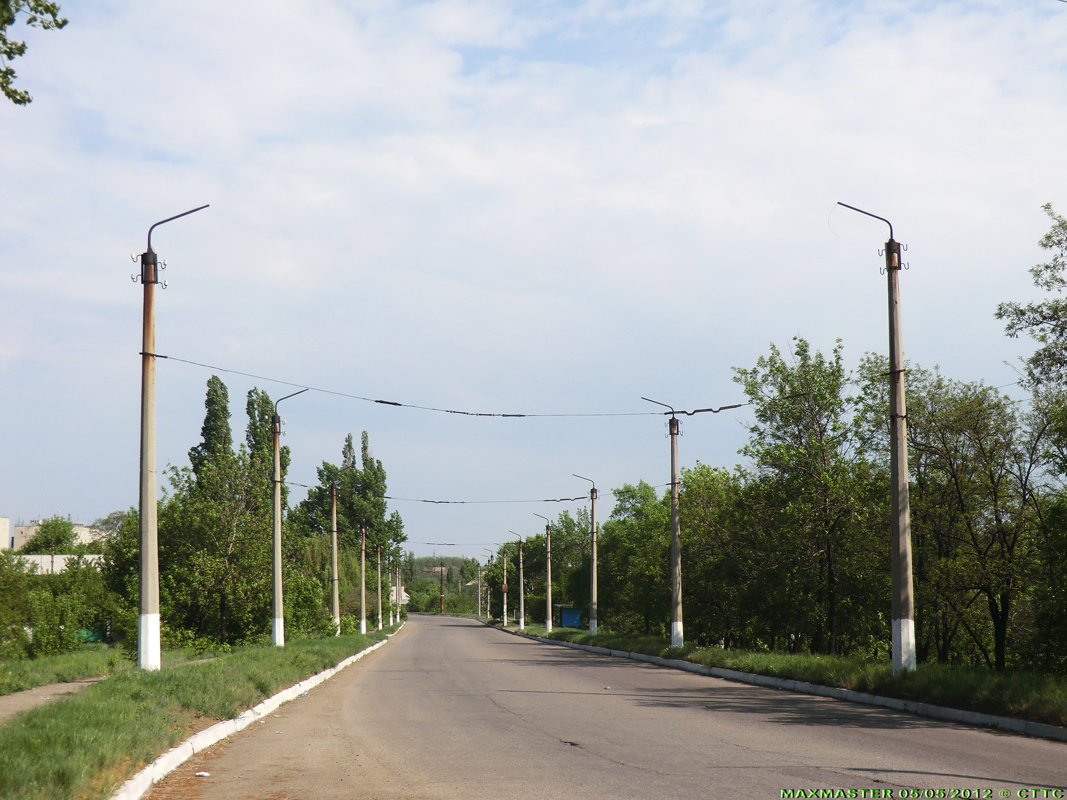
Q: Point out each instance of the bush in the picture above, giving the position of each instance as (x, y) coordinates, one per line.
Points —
(55, 622)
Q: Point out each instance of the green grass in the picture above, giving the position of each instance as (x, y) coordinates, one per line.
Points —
(85, 746)
(1038, 697)
(91, 661)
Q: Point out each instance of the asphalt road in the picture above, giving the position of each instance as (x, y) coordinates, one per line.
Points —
(453, 709)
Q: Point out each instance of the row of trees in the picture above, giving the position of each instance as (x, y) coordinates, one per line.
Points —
(791, 551)
(215, 534)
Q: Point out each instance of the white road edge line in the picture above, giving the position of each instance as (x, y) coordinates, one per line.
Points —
(1039, 729)
(135, 787)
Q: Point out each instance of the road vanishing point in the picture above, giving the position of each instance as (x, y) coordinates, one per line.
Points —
(451, 708)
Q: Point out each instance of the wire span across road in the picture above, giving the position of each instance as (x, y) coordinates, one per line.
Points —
(396, 404)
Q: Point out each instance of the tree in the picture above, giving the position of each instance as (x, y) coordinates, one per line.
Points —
(1045, 322)
(56, 535)
(39, 14)
(815, 481)
(216, 438)
(976, 464)
(633, 572)
(14, 609)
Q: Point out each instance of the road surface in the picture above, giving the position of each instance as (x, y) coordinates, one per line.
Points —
(453, 709)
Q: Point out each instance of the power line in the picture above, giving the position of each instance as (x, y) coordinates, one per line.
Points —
(485, 502)
(396, 404)
(479, 502)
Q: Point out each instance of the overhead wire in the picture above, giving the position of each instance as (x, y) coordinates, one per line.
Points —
(396, 404)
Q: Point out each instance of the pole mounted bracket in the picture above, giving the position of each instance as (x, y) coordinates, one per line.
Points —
(150, 263)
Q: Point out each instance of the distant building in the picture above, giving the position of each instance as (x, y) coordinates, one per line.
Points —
(54, 564)
(84, 534)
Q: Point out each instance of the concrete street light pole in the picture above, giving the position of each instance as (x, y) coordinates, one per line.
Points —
(548, 571)
(592, 572)
(149, 654)
(278, 615)
(335, 597)
(522, 588)
(363, 579)
(677, 637)
(903, 603)
(379, 587)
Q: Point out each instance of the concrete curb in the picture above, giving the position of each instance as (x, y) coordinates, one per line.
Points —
(135, 787)
(1054, 732)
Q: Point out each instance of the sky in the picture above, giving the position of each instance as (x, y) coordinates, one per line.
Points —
(524, 207)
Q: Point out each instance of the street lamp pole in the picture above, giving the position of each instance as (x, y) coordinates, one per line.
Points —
(677, 637)
(548, 570)
(335, 604)
(278, 624)
(522, 587)
(149, 654)
(592, 573)
(903, 602)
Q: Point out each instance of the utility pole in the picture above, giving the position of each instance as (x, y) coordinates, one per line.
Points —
(363, 579)
(677, 639)
(592, 574)
(903, 603)
(548, 570)
(149, 654)
(479, 591)
(505, 587)
(442, 586)
(392, 594)
(334, 591)
(522, 598)
(278, 624)
(379, 587)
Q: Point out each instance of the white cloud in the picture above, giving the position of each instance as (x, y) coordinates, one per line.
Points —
(530, 206)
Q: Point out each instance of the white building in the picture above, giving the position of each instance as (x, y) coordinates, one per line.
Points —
(13, 539)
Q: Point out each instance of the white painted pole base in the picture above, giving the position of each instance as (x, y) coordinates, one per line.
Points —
(592, 627)
(337, 626)
(363, 626)
(148, 642)
(277, 632)
(522, 623)
(677, 639)
(903, 645)
(548, 626)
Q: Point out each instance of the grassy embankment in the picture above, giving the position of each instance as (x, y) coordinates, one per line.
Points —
(85, 746)
(1039, 697)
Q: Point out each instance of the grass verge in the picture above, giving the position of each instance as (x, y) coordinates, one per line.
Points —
(1038, 697)
(91, 661)
(84, 747)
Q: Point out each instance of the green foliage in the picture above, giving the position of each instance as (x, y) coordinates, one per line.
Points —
(215, 533)
(42, 14)
(14, 606)
(216, 438)
(55, 621)
(1045, 322)
(812, 478)
(56, 535)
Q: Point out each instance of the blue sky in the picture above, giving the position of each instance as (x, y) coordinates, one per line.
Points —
(524, 207)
